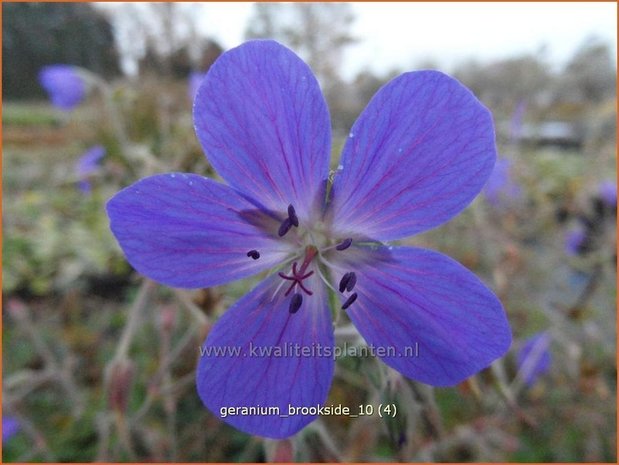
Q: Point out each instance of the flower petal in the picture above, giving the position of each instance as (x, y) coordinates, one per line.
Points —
(435, 320)
(418, 154)
(265, 127)
(534, 357)
(188, 231)
(88, 162)
(65, 87)
(10, 427)
(300, 377)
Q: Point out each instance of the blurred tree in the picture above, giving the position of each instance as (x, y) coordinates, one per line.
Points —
(180, 62)
(504, 83)
(367, 84)
(349, 100)
(590, 75)
(38, 34)
(318, 32)
(166, 31)
(164, 39)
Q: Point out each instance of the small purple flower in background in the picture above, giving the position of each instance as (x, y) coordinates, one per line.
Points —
(574, 240)
(501, 187)
(195, 79)
(65, 87)
(534, 358)
(10, 427)
(418, 154)
(607, 191)
(87, 165)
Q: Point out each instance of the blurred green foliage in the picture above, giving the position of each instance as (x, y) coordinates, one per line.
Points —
(29, 115)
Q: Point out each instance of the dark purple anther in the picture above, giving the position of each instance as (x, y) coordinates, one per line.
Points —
(292, 216)
(295, 303)
(284, 227)
(344, 281)
(349, 301)
(253, 254)
(344, 244)
(352, 280)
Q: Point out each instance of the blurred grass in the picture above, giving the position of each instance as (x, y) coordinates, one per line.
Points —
(34, 114)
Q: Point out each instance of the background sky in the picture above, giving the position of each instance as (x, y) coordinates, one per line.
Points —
(403, 34)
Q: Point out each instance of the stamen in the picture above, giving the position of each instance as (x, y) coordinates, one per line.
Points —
(351, 281)
(344, 244)
(292, 216)
(349, 301)
(253, 254)
(284, 227)
(295, 303)
(279, 286)
(344, 281)
(324, 279)
(348, 281)
(331, 265)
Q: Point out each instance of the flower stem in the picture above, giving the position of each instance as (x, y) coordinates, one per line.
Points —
(192, 308)
(139, 303)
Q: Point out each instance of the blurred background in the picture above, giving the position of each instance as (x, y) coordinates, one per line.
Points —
(98, 363)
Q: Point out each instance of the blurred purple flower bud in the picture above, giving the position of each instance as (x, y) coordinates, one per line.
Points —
(500, 186)
(534, 357)
(608, 193)
(119, 375)
(574, 240)
(10, 427)
(195, 79)
(65, 87)
(88, 164)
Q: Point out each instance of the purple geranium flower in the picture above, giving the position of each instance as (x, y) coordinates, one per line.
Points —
(195, 79)
(534, 357)
(501, 186)
(574, 239)
(608, 192)
(418, 154)
(10, 427)
(87, 165)
(65, 87)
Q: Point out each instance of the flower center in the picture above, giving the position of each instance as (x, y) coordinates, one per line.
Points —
(313, 244)
(298, 275)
